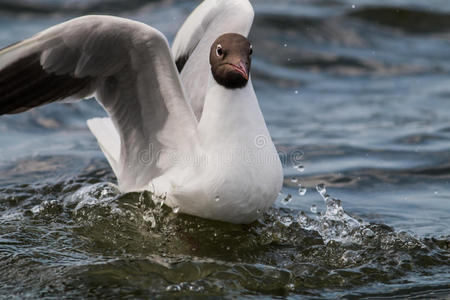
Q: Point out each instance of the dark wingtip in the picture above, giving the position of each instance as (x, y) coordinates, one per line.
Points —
(180, 62)
(24, 84)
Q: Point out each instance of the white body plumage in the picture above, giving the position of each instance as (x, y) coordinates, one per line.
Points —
(232, 171)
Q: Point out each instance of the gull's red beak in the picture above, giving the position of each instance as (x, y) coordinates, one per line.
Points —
(241, 68)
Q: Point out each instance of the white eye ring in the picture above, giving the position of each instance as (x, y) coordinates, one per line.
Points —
(219, 51)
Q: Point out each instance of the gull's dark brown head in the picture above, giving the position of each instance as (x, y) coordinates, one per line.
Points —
(230, 60)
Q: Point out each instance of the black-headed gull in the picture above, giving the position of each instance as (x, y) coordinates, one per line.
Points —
(184, 124)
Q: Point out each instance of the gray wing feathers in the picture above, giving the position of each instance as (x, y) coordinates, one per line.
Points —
(129, 67)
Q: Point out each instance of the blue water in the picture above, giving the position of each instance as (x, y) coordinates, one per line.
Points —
(357, 92)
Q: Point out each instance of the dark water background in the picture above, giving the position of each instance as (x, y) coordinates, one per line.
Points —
(361, 88)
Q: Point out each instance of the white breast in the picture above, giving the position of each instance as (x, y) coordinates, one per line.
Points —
(234, 173)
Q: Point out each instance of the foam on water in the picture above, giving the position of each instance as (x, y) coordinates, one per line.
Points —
(295, 251)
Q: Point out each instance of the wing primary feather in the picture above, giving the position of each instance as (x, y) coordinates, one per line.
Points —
(24, 84)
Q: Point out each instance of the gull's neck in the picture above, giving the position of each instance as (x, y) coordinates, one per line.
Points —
(233, 164)
(230, 116)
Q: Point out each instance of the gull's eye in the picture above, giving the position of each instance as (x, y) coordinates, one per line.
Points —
(219, 50)
(251, 50)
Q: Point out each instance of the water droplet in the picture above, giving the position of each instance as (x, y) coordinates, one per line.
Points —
(296, 92)
(353, 6)
(290, 287)
(286, 220)
(184, 285)
(368, 232)
(149, 218)
(37, 209)
(321, 189)
(228, 248)
(217, 199)
(314, 209)
(176, 209)
(302, 219)
(173, 288)
(294, 180)
(299, 168)
(334, 207)
(302, 191)
(287, 199)
(196, 288)
(285, 45)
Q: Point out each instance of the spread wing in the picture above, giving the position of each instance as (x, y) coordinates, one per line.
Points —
(128, 66)
(192, 44)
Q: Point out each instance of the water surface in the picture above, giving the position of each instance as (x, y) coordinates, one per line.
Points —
(356, 92)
